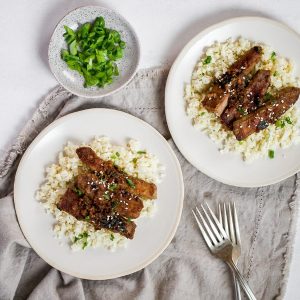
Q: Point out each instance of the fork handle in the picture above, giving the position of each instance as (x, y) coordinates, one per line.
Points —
(242, 281)
(237, 289)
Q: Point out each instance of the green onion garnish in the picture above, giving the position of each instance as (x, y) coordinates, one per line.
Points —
(130, 183)
(268, 97)
(106, 197)
(92, 51)
(82, 236)
(242, 111)
(207, 60)
(112, 186)
(280, 123)
(271, 154)
(273, 56)
(79, 192)
(288, 120)
(141, 152)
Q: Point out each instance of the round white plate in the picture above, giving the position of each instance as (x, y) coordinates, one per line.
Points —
(197, 148)
(153, 234)
(72, 80)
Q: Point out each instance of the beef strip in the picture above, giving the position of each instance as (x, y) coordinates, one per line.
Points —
(99, 212)
(108, 170)
(266, 115)
(231, 82)
(105, 196)
(249, 99)
(123, 202)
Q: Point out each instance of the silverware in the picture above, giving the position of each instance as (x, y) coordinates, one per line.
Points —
(219, 244)
(229, 221)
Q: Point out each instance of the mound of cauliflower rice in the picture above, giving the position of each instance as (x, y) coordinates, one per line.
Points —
(215, 61)
(135, 161)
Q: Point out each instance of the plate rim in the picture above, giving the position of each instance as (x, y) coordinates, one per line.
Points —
(131, 29)
(171, 74)
(30, 148)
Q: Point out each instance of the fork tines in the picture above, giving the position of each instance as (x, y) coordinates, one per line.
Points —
(228, 219)
(210, 227)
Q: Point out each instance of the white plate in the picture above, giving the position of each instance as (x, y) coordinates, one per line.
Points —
(197, 148)
(152, 236)
(72, 80)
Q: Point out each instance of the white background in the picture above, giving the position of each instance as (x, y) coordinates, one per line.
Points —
(163, 26)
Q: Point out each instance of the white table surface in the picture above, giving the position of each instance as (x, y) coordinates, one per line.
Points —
(163, 27)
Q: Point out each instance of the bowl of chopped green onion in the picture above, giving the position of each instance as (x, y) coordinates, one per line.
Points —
(93, 52)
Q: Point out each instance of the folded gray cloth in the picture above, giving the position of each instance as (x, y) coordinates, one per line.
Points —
(186, 269)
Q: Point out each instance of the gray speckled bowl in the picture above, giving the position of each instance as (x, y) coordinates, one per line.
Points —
(73, 81)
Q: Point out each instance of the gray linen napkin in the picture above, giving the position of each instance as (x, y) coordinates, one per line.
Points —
(186, 270)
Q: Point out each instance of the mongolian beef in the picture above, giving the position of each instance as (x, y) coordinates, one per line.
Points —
(229, 84)
(105, 196)
(238, 97)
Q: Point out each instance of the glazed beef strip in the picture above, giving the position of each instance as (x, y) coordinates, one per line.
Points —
(249, 99)
(268, 114)
(123, 202)
(105, 196)
(100, 213)
(231, 82)
(107, 169)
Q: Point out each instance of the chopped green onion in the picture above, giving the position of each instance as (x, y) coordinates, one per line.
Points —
(275, 73)
(87, 218)
(69, 31)
(280, 123)
(271, 154)
(106, 197)
(73, 47)
(92, 51)
(207, 60)
(77, 238)
(115, 156)
(268, 97)
(242, 111)
(130, 183)
(288, 120)
(112, 237)
(273, 56)
(82, 236)
(112, 186)
(78, 191)
(141, 152)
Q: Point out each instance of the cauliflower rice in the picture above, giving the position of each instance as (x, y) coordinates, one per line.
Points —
(81, 234)
(221, 56)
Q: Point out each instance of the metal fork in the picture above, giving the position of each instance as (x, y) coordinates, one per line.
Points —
(230, 224)
(219, 244)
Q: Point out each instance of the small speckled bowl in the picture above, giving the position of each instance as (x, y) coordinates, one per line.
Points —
(73, 81)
